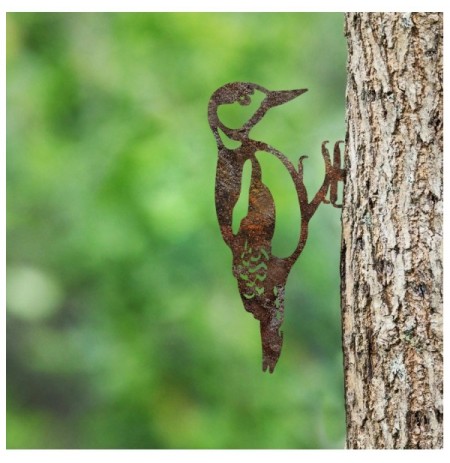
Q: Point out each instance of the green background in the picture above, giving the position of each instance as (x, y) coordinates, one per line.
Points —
(125, 328)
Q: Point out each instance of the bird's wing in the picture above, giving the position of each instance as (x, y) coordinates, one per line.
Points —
(259, 223)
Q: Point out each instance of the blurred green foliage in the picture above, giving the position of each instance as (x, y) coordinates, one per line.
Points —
(124, 323)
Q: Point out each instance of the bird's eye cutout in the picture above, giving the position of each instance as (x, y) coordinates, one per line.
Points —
(236, 114)
(244, 100)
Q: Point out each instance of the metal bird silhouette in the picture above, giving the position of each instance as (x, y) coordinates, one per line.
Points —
(261, 276)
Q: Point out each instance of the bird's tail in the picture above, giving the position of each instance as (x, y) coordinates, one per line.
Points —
(272, 341)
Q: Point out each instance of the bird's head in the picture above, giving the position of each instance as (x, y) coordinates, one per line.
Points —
(242, 92)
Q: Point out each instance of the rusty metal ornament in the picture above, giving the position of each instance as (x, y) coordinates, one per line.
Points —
(262, 276)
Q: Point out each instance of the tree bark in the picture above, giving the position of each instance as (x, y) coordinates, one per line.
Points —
(391, 262)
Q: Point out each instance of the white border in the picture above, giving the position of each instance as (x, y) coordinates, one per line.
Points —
(137, 456)
(217, 6)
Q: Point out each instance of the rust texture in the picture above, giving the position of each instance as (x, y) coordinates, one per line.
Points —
(262, 276)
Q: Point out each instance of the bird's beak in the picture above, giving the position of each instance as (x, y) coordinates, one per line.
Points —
(283, 96)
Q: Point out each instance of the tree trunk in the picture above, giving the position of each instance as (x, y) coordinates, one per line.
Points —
(391, 259)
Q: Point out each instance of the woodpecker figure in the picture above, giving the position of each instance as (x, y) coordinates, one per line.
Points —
(261, 276)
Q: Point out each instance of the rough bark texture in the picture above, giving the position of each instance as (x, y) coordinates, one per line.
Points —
(392, 231)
